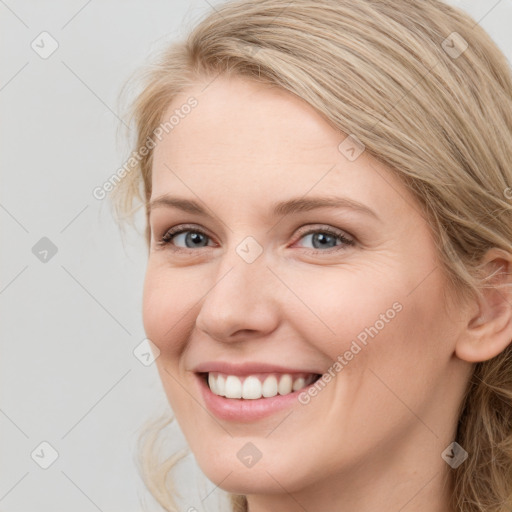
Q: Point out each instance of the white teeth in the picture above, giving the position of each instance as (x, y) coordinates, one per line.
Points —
(298, 384)
(212, 382)
(221, 385)
(269, 388)
(285, 385)
(252, 387)
(233, 387)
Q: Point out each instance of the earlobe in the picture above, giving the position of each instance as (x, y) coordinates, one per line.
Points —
(489, 327)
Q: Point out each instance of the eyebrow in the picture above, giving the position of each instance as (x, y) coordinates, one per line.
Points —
(294, 205)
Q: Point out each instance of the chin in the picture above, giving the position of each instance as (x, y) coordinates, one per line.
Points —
(264, 477)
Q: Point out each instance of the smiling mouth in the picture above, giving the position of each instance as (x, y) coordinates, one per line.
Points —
(256, 386)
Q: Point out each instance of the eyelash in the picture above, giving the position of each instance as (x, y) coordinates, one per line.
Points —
(168, 236)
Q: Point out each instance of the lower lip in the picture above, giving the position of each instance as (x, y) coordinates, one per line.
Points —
(245, 410)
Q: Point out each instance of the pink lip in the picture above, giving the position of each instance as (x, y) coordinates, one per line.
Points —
(246, 368)
(243, 410)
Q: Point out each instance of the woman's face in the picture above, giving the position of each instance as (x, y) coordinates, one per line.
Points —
(264, 282)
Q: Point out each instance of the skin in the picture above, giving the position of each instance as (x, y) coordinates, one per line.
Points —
(372, 438)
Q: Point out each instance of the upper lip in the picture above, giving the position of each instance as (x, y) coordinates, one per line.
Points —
(246, 368)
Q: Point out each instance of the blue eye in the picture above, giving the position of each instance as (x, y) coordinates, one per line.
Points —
(327, 238)
(194, 237)
(324, 239)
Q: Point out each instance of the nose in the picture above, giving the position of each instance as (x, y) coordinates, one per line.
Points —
(241, 302)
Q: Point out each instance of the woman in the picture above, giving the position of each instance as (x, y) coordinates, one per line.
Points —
(327, 196)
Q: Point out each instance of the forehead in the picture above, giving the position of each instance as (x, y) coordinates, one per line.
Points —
(248, 142)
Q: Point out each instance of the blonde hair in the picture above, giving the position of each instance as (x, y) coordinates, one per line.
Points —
(397, 74)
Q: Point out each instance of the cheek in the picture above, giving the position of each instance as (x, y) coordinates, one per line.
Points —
(166, 309)
(167, 319)
(368, 322)
(344, 309)
(406, 344)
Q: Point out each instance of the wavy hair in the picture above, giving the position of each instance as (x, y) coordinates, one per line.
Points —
(429, 94)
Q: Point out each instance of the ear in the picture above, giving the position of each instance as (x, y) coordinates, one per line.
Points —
(489, 326)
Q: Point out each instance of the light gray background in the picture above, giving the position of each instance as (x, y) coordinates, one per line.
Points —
(70, 325)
